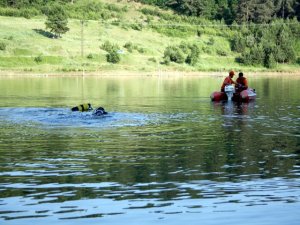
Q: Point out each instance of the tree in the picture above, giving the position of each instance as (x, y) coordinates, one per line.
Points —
(57, 20)
(245, 11)
(264, 11)
(285, 8)
(203, 8)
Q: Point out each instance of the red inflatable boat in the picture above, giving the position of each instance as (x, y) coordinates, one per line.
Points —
(229, 94)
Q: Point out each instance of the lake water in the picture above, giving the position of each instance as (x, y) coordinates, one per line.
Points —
(165, 154)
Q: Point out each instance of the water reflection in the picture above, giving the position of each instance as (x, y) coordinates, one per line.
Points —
(164, 154)
(230, 108)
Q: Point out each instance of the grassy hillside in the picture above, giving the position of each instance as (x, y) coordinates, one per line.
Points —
(28, 47)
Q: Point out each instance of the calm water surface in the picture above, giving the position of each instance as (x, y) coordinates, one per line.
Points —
(165, 154)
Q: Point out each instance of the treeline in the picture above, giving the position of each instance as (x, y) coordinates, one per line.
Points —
(76, 9)
(267, 45)
(240, 11)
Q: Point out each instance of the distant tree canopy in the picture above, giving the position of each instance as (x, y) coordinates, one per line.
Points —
(257, 11)
(22, 3)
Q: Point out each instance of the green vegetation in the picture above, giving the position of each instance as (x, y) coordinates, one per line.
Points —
(57, 20)
(101, 35)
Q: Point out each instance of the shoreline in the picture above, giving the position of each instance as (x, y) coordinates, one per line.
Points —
(125, 73)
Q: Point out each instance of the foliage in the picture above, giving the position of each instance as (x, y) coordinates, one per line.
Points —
(129, 46)
(112, 55)
(109, 47)
(23, 12)
(81, 9)
(266, 45)
(38, 59)
(2, 46)
(94, 10)
(90, 56)
(258, 11)
(188, 53)
(57, 20)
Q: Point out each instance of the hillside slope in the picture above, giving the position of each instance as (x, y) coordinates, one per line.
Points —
(142, 34)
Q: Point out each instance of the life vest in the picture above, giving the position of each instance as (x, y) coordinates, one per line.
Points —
(227, 81)
(84, 107)
(242, 81)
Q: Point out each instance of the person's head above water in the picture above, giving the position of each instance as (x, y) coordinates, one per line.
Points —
(99, 111)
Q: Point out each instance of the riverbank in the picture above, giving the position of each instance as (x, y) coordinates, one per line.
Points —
(124, 73)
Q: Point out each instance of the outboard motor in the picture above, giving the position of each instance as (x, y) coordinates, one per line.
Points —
(229, 90)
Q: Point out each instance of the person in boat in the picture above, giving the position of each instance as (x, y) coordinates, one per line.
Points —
(228, 81)
(241, 83)
(99, 111)
(82, 108)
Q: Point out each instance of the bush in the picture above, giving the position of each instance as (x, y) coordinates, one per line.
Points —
(238, 43)
(2, 46)
(141, 50)
(199, 33)
(188, 53)
(211, 41)
(193, 56)
(38, 59)
(90, 56)
(22, 12)
(137, 26)
(221, 52)
(174, 54)
(152, 60)
(113, 57)
(270, 61)
(109, 47)
(129, 46)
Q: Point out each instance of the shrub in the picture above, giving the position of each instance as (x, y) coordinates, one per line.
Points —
(129, 46)
(188, 53)
(193, 56)
(113, 57)
(199, 33)
(174, 54)
(152, 60)
(137, 26)
(211, 41)
(238, 43)
(38, 59)
(270, 61)
(141, 50)
(221, 52)
(2, 46)
(22, 12)
(90, 56)
(109, 47)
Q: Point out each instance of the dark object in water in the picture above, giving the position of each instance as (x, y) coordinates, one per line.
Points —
(99, 111)
(82, 108)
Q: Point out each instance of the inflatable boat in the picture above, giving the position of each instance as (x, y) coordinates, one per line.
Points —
(230, 95)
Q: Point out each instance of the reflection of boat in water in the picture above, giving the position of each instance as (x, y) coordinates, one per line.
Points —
(231, 108)
(244, 96)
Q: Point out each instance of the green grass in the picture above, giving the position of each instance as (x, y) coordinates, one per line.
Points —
(27, 39)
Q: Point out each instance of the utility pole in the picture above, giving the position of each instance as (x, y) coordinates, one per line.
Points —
(82, 45)
(82, 24)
